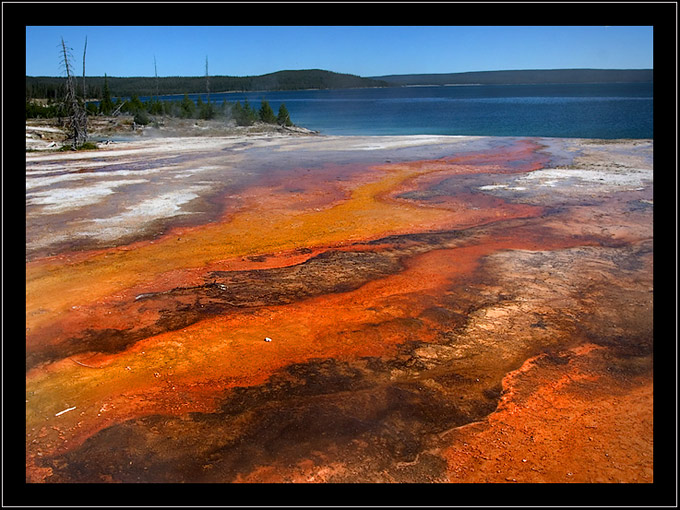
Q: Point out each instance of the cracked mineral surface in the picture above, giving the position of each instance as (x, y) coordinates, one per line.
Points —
(340, 309)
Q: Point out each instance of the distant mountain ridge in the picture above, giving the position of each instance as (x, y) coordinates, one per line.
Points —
(44, 86)
(52, 86)
(533, 76)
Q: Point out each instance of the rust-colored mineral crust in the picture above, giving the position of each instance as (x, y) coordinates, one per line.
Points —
(329, 309)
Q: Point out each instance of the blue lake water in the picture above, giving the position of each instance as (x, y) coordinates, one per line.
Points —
(615, 110)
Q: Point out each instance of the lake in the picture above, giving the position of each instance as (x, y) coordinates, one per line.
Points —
(612, 110)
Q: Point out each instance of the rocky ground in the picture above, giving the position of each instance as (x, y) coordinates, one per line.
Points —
(281, 307)
(51, 134)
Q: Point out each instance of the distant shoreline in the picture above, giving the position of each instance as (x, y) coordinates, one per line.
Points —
(523, 77)
(203, 94)
(282, 81)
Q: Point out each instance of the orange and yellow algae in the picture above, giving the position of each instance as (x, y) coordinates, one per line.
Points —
(201, 361)
(265, 225)
(195, 367)
(204, 359)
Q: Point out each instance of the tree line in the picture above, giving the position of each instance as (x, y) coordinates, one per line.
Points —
(55, 97)
(520, 77)
(44, 87)
(145, 111)
(242, 114)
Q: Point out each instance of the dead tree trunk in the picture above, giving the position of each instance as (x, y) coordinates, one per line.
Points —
(207, 80)
(117, 110)
(77, 115)
(155, 71)
(84, 89)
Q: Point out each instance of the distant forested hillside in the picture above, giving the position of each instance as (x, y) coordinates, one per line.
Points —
(50, 87)
(523, 77)
(38, 87)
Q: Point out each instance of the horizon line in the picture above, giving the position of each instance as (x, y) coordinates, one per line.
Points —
(367, 77)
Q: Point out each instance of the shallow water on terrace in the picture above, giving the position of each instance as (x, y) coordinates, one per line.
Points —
(218, 176)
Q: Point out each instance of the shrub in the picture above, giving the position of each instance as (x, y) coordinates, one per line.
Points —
(142, 118)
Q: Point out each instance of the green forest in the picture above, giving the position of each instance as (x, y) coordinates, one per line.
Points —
(145, 112)
(49, 87)
(538, 76)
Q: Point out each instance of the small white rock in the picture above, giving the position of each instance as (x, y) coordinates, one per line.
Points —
(267, 339)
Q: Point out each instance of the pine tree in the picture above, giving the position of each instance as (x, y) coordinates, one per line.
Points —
(237, 114)
(249, 114)
(135, 104)
(283, 118)
(266, 113)
(187, 107)
(155, 107)
(106, 104)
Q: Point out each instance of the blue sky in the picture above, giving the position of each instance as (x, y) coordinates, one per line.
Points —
(360, 50)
